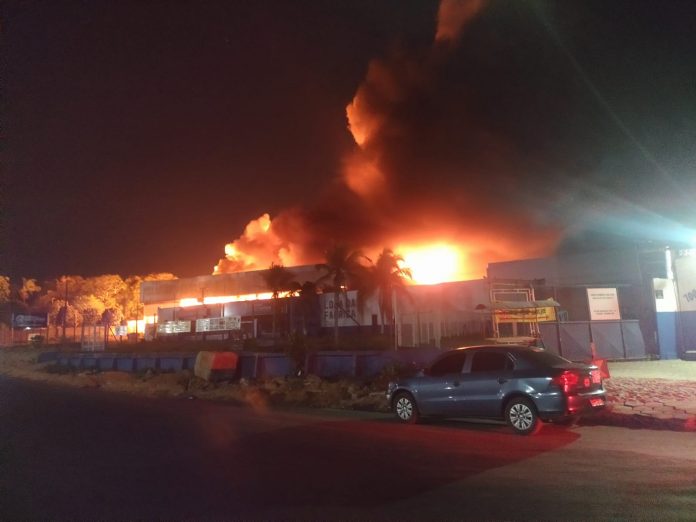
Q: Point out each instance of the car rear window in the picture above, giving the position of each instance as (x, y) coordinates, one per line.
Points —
(543, 358)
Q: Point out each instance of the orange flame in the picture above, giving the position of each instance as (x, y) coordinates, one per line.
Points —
(434, 263)
(256, 249)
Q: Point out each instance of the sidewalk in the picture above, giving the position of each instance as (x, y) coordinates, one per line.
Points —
(650, 394)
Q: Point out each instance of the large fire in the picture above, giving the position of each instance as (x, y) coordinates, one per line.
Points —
(433, 264)
(441, 211)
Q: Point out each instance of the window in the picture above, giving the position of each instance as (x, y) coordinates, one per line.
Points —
(490, 362)
(451, 363)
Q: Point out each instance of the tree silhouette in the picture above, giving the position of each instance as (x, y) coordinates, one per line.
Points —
(278, 280)
(342, 268)
(388, 278)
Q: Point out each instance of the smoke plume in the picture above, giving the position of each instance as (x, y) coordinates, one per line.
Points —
(426, 168)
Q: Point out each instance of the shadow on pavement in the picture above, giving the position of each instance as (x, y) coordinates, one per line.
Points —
(639, 422)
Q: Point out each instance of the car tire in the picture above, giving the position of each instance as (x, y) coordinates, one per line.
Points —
(406, 409)
(522, 416)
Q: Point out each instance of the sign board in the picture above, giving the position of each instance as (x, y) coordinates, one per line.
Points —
(685, 274)
(219, 324)
(346, 308)
(604, 304)
(526, 315)
(30, 321)
(173, 327)
(120, 331)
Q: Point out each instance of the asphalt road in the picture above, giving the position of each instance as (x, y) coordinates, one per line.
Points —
(86, 454)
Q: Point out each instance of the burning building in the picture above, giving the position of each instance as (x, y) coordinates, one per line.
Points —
(240, 305)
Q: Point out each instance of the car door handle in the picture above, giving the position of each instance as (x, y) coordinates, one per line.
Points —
(502, 380)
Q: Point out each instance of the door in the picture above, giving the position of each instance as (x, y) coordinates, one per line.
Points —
(437, 389)
(480, 389)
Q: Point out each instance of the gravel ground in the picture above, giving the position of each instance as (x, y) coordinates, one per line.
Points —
(676, 370)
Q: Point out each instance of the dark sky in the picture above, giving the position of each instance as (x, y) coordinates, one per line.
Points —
(143, 136)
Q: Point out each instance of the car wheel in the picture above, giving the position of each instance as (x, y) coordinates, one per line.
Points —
(406, 409)
(521, 415)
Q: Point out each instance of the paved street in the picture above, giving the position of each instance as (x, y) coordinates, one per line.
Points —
(85, 454)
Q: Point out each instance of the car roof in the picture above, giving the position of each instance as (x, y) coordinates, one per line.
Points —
(511, 347)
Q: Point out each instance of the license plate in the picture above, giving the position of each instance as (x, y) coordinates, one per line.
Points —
(596, 402)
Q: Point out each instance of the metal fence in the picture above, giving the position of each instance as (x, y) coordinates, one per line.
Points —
(615, 340)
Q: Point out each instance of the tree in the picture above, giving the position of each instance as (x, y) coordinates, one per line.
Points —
(4, 289)
(388, 278)
(30, 288)
(308, 302)
(342, 267)
(278, 279)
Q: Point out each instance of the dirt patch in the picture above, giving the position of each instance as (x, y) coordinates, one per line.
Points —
(310, 391)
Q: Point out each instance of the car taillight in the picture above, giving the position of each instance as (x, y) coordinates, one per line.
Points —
(567, 381)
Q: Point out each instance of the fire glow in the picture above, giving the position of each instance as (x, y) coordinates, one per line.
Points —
(433, 264)
(221, 299)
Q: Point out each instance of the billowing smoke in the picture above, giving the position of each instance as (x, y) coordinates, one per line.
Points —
(426, 169)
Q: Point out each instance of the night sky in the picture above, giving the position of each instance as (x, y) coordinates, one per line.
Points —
(142, 136)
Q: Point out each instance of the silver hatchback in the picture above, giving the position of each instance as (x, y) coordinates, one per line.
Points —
(519, 384)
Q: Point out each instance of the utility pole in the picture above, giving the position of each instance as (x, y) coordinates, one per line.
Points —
(65, 308)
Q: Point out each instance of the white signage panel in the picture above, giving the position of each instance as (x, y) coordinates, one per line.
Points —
(219, 324)
(346, 308)
(604, 304)
(173, 327)
(685, 275)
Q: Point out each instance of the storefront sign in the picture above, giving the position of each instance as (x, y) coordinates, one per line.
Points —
(526, 315)
(604, 304)
(346, 309)
(219, 324)
(30, 321)
(173, 327)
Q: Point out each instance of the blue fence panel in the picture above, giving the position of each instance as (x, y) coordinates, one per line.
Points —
(275, 366)
(75, 362)
(633, 340)
(686, 322)
(608, 339)
(371, 365)
(247, 366)
(145, 363)
(105, 364)
(575, 341)
(667, 335)
(334, 365)
(419, 357)
(549, 336)
(48, 357)
(89, 362)
(171, 364)
(190, 362)
(125, 364)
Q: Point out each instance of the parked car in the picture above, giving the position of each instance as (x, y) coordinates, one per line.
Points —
(522, 385)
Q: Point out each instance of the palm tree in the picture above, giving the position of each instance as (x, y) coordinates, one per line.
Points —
(278, 280)
(388, 278)
(343, 267)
